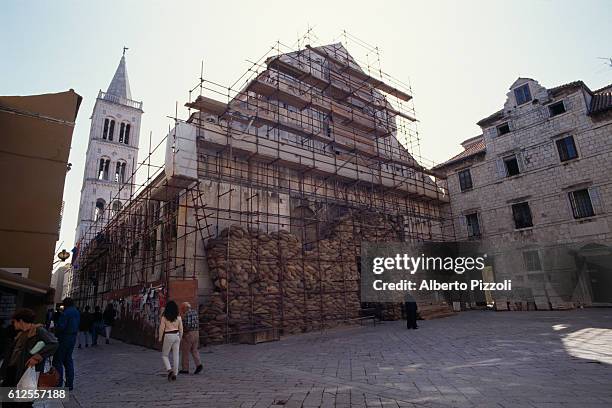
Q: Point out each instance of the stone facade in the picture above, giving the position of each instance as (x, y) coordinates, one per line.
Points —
(535, 189)
(112, 154)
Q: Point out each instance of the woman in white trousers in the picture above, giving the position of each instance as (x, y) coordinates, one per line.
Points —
(171, 332)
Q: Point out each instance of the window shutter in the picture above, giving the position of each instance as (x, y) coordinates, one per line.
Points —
(569, 201)
(520, 161)
(500, 167)
(596, 200)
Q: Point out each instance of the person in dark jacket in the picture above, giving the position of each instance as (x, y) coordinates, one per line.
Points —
(66, 332)
(97, 325)
(411, 311)
(21, 352)
(85, 327)
(109, 320)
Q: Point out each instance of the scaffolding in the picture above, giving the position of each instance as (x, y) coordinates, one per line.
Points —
(264, 196)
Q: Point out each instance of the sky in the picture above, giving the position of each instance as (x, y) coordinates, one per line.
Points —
(459, 57)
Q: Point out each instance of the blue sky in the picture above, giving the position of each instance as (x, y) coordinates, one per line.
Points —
(460, 57)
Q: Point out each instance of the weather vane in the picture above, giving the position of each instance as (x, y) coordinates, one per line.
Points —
(124, 50)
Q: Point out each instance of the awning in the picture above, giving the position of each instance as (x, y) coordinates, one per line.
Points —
(10, 280)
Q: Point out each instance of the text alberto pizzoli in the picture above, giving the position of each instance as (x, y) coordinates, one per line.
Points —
(411, 264)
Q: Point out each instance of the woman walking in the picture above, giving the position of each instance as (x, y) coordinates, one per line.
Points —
(170, 332)
(109, 320)
(30, 347)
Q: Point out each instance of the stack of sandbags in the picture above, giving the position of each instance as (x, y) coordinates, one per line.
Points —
(264, 280)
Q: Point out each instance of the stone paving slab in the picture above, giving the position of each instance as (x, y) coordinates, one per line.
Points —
(474, 359)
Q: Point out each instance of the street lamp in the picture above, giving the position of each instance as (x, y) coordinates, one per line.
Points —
(63, 255)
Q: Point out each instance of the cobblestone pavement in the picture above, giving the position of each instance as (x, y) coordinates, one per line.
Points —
(474, 359)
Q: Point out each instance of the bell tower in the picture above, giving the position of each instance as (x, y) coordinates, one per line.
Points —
(112, 154)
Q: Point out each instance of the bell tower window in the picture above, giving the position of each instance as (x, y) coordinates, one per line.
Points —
(105, 130)
(111, 130)
(99, 210)
(120, 172)
(126, 137)
(103, 169)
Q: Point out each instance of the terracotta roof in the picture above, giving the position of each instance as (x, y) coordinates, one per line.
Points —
(471, 151)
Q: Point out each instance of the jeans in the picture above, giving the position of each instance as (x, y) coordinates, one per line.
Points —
(107, 331)
(96, 328)
(172, 342)
(85, 337)
(63, 359)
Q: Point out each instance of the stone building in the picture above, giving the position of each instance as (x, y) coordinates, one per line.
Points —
(265, 195)
(535, 189)
(112, 152)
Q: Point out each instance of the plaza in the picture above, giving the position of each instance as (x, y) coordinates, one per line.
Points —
(473, 359)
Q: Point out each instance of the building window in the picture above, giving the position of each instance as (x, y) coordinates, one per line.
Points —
(126, 137)
(105, 130)
(581, 203)
(103, 169)
(556, 108)
(503, 129)
(116, 208)
(111, 130)
(99, 211)
(512, 166)
(567, 148)
(120, 172)
(532, 261)
(473, 226)
(522, 94)
(522, 215)
(465, 180)
(121, 132)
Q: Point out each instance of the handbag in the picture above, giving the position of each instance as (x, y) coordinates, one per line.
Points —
(49, 379)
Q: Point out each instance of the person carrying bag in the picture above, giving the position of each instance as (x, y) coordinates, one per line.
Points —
(26, 354)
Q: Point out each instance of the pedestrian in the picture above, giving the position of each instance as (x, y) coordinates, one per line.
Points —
(85, 327)
(30, 347)
(109, 320)
(190, 342)
(411, 308)
(66, 332)
(97, 325)
(170, 333)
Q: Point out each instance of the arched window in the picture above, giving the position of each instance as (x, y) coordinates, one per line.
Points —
(126, 137)
(103, 168)
(105, 130)
(99, 211)
(121, 132)
(116, 208)
(120, 172)
(111, 130)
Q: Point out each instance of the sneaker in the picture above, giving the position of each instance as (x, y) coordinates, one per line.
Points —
(198, 369)
(183, 372)
(173, 377)
(170, 375)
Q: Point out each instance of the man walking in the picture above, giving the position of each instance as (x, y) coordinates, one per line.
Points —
(190, 342)
(85, 327)
(411, 311)
(66, 333)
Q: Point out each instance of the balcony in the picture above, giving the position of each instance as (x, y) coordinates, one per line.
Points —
(118, 100)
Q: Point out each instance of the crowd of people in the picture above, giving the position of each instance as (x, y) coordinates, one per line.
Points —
(27, 344)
